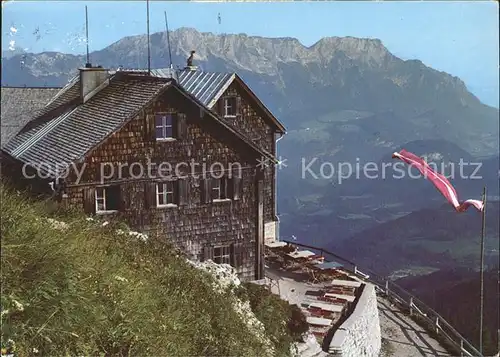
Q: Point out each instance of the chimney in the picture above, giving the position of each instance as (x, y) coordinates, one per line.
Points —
(92, 80)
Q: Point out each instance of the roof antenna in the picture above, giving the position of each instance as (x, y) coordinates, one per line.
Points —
(168, 42)
(87, 65)
(149, 50)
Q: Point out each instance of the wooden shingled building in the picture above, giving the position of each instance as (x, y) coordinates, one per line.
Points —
(177, 155)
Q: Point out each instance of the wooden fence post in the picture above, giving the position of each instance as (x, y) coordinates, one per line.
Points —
(387, 288)
(461, 348)
(411, 305)
(437, 324)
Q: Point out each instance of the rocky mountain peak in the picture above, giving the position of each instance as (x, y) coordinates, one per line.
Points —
(260, 54)
(367, 50)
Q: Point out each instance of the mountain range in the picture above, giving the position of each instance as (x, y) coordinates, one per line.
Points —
(344, 100)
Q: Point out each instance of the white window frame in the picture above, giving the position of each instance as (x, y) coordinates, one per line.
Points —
(222, 189)
(98, 198)
(164, 127)
(165, 192)
(219, 188)
(225, 254)
(227, 105)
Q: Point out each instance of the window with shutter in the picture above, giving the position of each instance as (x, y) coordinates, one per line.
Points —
(166, 127)
(166, 194)
(229, 110)
(222, 254)
(107, 199)
(208, 253)
(219, 189)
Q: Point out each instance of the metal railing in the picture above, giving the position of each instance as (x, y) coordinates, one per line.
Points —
(422, 313)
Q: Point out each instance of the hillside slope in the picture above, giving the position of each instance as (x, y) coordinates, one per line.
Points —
(385, 189)
(455, 295)
(76, 287)
(430, 238)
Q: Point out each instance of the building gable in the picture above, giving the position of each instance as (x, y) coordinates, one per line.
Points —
(209, 87)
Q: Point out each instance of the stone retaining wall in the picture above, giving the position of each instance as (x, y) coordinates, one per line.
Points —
(359, 335)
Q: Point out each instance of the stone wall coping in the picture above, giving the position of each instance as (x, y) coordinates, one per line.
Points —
(342, 332)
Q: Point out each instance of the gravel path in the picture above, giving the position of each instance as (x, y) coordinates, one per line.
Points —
(403, 337)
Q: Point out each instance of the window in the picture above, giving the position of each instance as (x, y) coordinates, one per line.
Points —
(164, 126)
(166, 193)
(232, 254)
(107, 199)
(222, 255)
(230, 109)
(219, 191)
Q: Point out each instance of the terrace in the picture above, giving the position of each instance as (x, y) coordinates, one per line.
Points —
(326, 292)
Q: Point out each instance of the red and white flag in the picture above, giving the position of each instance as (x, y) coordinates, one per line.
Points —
(441, 182)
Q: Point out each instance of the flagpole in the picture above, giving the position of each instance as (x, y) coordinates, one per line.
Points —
(481, 292)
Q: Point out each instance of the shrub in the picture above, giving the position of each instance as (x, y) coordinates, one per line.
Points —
(291, 324)
(86, 290)
(297, 325)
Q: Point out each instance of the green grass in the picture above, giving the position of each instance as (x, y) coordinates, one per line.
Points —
(87, 290)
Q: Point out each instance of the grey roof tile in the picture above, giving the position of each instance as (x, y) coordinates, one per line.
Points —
(70, 135)
(205, 86)
(19, 106)
(69, 92)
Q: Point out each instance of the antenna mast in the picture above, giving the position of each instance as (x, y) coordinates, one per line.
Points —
(168, 41)
(149, 50)
(87, 35)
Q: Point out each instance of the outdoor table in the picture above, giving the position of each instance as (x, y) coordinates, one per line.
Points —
(301, 254)
(275, 244)
(329, 266)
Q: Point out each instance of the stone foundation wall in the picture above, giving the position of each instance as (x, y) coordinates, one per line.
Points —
(359, 335)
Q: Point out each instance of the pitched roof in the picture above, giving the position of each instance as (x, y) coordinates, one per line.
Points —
(71, 134)
(19, 105)
(62, 134)
(207, 87)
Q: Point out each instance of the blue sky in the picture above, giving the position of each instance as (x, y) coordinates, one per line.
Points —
(460, 38)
